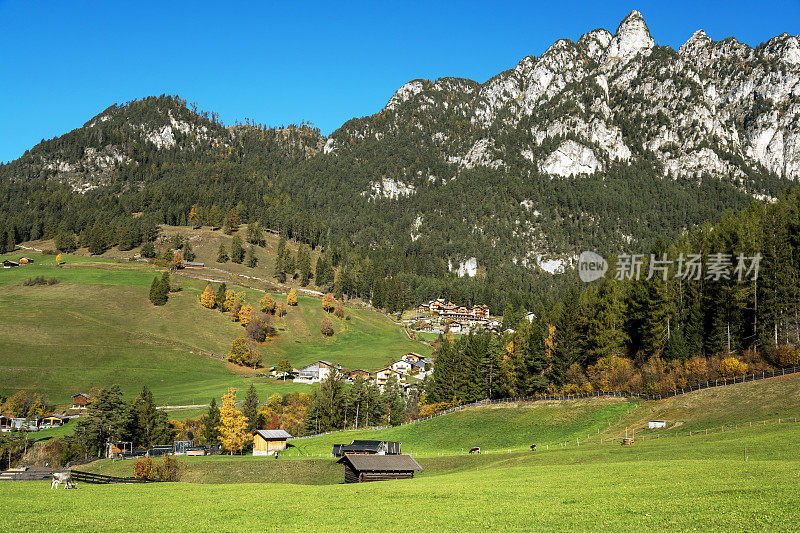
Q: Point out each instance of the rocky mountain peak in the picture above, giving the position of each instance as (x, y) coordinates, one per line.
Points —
(632, 37)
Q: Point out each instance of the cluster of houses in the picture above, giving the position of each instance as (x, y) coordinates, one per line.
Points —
(411, 369)
(9, 423)
(8, 263)
(439, 316)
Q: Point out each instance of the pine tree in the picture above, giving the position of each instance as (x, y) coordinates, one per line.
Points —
(222, 293)
(157, 294)
(148, 250)
(252, 260)
(149, 424)
(207, 299)
(222, 254)
(304, 265)
(188, 253)
(250, 409)
(211, 423)
(237, 251)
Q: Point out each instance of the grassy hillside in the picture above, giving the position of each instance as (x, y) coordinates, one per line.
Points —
(674, 484)
(497, 427)
(97, 327)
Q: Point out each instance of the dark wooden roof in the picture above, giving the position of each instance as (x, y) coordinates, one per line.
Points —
(381, 463)
(272, 434)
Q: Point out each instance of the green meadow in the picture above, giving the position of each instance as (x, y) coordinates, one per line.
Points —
(96, 327)
(684, 483)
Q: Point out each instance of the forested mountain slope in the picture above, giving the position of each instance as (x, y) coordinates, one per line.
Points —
(611, 142)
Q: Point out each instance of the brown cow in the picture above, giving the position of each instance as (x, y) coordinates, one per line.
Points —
(475, 450)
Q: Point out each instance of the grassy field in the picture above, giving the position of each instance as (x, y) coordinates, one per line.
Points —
(97, 327)
(497, 427)
(685, 483)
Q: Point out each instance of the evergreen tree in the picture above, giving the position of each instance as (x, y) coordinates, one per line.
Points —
(250, 408)
(222, 254)
(148, 250)
(237, 251)
(211, 423)
(149, 425)
(158, 296)
(252, 260)
(222, 294)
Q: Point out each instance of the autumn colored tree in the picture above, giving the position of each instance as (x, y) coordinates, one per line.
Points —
(731, 367)
(284, 367)
(236, 307)
(233, 424)
(280, 310)
(207, 299)
(245, 314)
(339, 311)
(242, 353)
(291, 298)
(231, 222)
(59, 259)
(194, 217)
(267, 303)
(328, 302)
(326, 327)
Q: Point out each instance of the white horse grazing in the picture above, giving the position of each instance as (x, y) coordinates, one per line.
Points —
(63, 477)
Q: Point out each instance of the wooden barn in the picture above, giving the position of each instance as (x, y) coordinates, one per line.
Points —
(360, 468)
(10, 264)
(80, 401)
(370, 447)
(6, 422)
(269, 441)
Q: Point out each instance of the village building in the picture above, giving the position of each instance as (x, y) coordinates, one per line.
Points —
(382, 377)
(363, 374)
(193, 264)
(80, 401)
(656, 424)
(10, 264)
(269, 441)
(402, 366)
(315, 372)
(53, 420)
(359, 468)
(6, 423)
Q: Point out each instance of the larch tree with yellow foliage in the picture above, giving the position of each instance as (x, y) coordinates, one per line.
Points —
(328, 302)
(245, 314)
(207, 299)
(291, 298)
(59, 259)
(233, 433)
(267, 303)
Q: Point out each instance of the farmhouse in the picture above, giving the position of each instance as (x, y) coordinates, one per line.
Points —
(362, 468)
(353, 374)
(269, 441)
(80, 401)
(367, 447)
(315, 372)
(382, 377)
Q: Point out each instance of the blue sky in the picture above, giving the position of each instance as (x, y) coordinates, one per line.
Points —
(63, 62)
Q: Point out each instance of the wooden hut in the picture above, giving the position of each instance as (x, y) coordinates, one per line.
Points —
(269, 441)
(6, 422)
(360, 468)
(369, 447)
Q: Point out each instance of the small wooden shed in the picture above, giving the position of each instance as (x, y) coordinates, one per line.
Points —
(361, 468)
(269, 441)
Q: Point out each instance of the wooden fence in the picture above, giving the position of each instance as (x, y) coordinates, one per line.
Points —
(88, 477)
